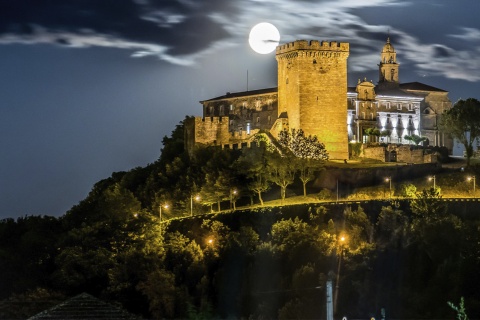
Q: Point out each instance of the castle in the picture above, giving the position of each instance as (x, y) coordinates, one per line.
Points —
(313, 95)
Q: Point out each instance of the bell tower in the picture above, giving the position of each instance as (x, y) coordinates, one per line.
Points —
(388, 67)
(312, 91)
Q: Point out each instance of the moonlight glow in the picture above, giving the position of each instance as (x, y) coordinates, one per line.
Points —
(264, 38)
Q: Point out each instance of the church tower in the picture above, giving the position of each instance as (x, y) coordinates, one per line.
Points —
(388, 67)
(312, 91)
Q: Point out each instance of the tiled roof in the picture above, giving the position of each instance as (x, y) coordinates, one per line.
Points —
(84, 306)
(230, 95)
(418, 86)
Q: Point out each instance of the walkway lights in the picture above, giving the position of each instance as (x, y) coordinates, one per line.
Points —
(165, 206)
(389, 180)
(434, 181)
(470, 179)
(196, 198)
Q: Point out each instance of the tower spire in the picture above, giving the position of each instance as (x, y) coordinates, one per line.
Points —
(388, 67)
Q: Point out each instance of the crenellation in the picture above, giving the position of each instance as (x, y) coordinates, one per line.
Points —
(313, 45)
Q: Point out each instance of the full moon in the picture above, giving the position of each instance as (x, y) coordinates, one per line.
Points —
(264, 38)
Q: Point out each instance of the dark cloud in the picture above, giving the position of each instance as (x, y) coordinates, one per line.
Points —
(184, 27)
(440, 52)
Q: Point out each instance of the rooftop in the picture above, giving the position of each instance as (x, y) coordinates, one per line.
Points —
(84, 306)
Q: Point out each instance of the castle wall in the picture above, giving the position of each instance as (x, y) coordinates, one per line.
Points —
(312, 90)
(212, 130)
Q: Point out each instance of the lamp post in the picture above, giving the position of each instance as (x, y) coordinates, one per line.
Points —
(337, 284)
(197, 198)
(472, 178)
(434, 180)
(160, 210)
(389, 179)
(233, 193)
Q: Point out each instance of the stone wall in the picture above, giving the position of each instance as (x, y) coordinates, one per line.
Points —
(212, 130)
(402, 153)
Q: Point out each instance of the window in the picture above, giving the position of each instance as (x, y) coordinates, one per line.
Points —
(388, 105)
(248, 128)
(269, 119)
(231, 107)
(410, 107)
(399, 106)
(258, 119)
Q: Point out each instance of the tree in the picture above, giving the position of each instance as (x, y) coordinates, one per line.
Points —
(462, 121)
(307, 168)
(253, 164)
(415, 139)
(372, 132)
(306, 147)
(281, 171)
(309, 152)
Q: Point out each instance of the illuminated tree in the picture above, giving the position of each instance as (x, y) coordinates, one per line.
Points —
(305, 147)
(462, 121)
(309, 152)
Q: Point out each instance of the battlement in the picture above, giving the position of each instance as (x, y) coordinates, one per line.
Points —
(211, 120)
(313, 45)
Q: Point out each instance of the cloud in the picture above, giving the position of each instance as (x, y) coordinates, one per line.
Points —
(440, 60)
(183, 31)
(470, 34)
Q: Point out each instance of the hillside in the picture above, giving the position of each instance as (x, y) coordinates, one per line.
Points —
(407, 256)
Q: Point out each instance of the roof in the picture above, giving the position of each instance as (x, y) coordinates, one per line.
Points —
(231, 95)
(418, 86)
(395, 92)
(84, 306)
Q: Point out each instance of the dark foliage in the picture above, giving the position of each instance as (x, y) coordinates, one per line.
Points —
(409, 258)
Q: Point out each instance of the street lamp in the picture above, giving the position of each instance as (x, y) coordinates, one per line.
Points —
(197, 198)
(472, 178)
(233, 194)
(434, 180)
(342, 240)
(389, 179)
(160, 210)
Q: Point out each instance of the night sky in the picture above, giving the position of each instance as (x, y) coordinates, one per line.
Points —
(91, 87)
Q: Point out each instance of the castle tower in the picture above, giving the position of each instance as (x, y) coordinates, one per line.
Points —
(388, 67)
(312, 91)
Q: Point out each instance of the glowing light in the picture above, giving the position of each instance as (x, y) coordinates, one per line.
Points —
(394, 122)
(383, 121)
(264, 38)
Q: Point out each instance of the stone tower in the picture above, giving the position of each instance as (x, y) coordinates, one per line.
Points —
(312, 91)
(388, 67)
